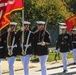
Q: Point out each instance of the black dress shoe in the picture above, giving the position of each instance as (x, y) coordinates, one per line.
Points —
(64, 71)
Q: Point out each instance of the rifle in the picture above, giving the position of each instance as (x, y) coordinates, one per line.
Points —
(9, 46)
(43, 34)
(57, 55)
(27, 45)
(0, 39)
(23, 52)
(0, 34)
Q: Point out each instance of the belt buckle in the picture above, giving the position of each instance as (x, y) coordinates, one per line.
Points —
(62, 43)
(1, 47)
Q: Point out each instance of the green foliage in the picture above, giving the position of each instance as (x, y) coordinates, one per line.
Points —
(41, 9)
(16, 16)
(71, 5)
(52, 55)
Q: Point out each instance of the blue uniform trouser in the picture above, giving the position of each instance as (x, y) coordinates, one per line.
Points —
(74, 55)
(64, 60)
(11, 61)
(25, 62)
(0, 68)
(43, 60)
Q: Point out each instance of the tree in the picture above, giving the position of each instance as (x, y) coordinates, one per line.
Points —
(40, 9)
(71, 5)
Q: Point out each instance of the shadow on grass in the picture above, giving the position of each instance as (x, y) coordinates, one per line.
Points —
(35, 60)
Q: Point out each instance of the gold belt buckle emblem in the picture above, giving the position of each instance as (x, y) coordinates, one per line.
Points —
(23, 53)
(62, 43)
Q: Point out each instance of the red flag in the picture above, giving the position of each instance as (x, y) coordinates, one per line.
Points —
(71, 22)
(6, 8)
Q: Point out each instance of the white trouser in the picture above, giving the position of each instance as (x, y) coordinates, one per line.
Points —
(0, 67)
(25, 61)
(74, 55)
(11, 61)
(64, 60)
(43, 60)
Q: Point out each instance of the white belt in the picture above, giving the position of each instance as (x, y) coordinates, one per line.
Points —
(1, 47)
(13, 46)
(26, 45)
(73, 41)
(43, 43)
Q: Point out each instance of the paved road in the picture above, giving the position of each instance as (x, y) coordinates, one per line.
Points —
(53, 68)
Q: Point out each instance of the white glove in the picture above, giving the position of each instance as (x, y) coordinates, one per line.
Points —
(22, 29)
(57, 51)
(27, 46)
(14, 46)
(1, 47)
(43, 44)
(70, 51)
(9, 29)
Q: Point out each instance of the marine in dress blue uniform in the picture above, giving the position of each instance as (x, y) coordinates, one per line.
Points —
(26, 51)
(2, 50)
(74, 44)
(41, 45)
(64, 44)
(11, 47)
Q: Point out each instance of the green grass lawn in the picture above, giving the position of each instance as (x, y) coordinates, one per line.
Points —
(50, 57)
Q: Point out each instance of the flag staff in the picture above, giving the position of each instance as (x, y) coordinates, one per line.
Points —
(23, 52)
